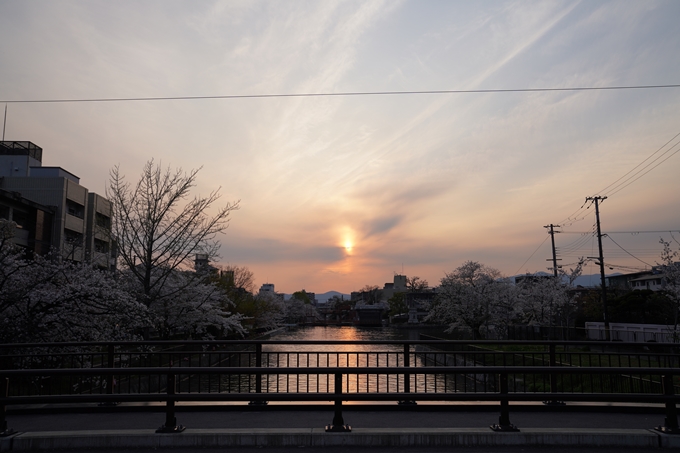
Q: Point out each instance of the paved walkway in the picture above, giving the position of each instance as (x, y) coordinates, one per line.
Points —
(239, 426)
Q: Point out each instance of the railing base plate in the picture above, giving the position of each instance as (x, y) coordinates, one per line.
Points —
(666, 430)
(504, 428)
(171, 429)
(338, 429)
(554, 403)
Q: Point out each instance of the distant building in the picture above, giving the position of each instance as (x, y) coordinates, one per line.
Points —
(267, 289)
(304, 296)
(228, 277)
(80, 221)
(398, 286)
(531, 279)
(202, 264)
(311, 296)
(652, 280)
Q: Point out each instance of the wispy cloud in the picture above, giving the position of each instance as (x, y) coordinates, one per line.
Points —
(423, 181)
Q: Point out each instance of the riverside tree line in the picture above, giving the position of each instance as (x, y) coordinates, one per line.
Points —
(155, 291)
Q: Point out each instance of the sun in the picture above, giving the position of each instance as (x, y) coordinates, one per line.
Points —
(347, 240)
(348, 245)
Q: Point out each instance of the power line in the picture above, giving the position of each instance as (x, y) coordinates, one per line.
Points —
(649, 157)
(627, 179)
(576, 215)
(578, 243)
(641, 175)
(530, 256)
(346, 93)
(629, 252)
(625, 232)
(625, 268)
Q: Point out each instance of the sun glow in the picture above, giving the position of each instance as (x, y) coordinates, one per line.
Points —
(348, 245)
(347, 241)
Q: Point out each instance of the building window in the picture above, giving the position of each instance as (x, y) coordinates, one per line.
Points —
(101, 246)
(102, 221)
(73, 245)
(4, 212)
(73, 237)
(75, 209)
(20, 218)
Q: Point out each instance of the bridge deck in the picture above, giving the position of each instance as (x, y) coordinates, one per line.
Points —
(624, 426)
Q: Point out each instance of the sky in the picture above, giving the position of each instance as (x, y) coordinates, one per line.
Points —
(339, 192)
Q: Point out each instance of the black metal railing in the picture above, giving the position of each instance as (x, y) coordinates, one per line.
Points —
(352, 354)
(295, 371)
(338, 390)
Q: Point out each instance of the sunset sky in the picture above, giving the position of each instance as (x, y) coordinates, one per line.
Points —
(343, 191)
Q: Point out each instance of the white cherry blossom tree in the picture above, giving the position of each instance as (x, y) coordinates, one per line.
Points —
(474, 296)
(44, 300)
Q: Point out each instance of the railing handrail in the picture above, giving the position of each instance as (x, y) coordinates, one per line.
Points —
(386, 370)
(328, 396)
(338, 342)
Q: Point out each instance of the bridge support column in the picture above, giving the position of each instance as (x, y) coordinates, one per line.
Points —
(171, 425)
(338, 425)
(504, 420)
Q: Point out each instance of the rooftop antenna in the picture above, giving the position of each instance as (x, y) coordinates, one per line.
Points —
(4, 123)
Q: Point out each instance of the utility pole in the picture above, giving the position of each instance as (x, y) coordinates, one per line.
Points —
(601, 259)
(552, 237)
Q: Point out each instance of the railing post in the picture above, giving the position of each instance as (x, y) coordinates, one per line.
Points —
(170, 425)
(553, 378)
(258, 379)
(338, 425)
(110, 380)
(671, 421)
(4, 392)
(110, 364)
(407, 376)
(504, 420)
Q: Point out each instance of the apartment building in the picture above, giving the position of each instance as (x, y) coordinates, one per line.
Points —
(32, 222)
(80, 220)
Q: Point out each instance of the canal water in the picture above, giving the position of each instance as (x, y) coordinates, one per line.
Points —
(351, 356)
(327, 333)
